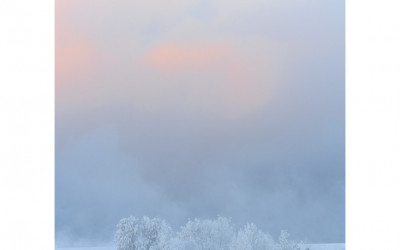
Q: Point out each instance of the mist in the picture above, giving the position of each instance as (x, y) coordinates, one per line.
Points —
(198, 109)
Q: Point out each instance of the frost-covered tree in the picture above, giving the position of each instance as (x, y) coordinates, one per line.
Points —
(206, 234)
(251, 238)
(154, 234)
(143, 234)
(285, 243)
(127, 233)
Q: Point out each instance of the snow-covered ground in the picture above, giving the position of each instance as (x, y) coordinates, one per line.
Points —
(87, 248)
(336, 246)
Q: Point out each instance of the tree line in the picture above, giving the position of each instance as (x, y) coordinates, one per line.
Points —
(218, 234)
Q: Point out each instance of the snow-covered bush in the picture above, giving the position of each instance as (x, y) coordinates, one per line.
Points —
(251, 238)
(207, 234)
(143, 234)
(285, 244)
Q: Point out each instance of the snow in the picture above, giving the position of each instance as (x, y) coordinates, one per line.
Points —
(87, 248)
(335, 246)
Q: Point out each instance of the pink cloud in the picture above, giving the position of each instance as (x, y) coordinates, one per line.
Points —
(227, 79)
(74, 59)
(175, 57)
(75, 55)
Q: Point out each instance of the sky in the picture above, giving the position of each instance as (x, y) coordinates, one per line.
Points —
(198, 108)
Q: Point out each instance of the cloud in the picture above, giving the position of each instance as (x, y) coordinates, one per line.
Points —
(174, 57)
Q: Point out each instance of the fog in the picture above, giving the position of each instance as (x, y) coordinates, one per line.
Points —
(199, 109)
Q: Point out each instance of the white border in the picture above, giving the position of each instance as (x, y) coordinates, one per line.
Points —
(372, 125)
(27, 124)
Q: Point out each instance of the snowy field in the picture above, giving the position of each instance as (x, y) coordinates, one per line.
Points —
(87, 248)
(337, 246)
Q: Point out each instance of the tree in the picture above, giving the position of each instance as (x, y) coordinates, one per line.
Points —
(285, 243)
(143, 234)
(154, 234)
(207, 234)
(251, 238)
